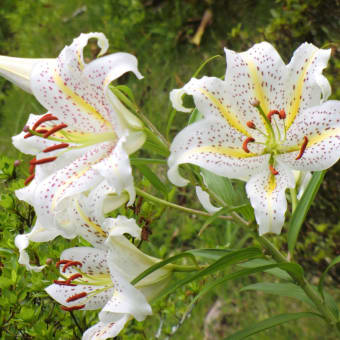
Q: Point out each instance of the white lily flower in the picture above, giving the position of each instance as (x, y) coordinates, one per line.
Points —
(100, 279)
(204, 199)
(85, 139)
(260, 123)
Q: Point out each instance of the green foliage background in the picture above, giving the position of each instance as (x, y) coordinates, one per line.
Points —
(159, 33)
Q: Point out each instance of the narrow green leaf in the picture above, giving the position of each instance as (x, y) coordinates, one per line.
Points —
(152, 178)
(225, 261)
(126, 90)
(263, 262)
(235, 275)
(269, 323)
(169, 124)
(210, 254)
(323, 276)
(162, 264)
(302, 208)
(282, 289)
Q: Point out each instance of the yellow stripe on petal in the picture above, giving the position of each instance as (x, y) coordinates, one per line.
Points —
(221, 150)
(230, 118)
(80, 101)
(88, 221)
(269, 190)
(259, 93)
(319, 138)
(297, 94)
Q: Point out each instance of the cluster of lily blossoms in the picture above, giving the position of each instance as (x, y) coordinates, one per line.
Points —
(265, 123)
(80, 170)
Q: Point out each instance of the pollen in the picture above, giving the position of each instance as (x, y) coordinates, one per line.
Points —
(29, 179)
(303, 148)
(251, 125)
(273, 170)
(42, 160)
(70, 264)
(55, 129)
(69, 309)
(76, 297)
(245, 144)
(56, 147)
(45, 118)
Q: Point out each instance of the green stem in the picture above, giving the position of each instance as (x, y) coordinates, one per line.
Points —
(293, 197)
(175, 206)
(302, 282)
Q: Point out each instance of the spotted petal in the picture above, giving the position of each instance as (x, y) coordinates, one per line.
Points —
(321, 125)
(215, 146)
(105, 330)
(267, 196)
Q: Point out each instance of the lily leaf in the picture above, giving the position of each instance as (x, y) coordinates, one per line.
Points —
(323, 276)
(302, 208)
(269, 323)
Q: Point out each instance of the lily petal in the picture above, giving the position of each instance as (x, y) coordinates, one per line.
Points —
(37, 234)
(204, 199)
(105, 330)
(321, 125)
(306, 86)
(18, 70)
(215, 146)
(267, 196)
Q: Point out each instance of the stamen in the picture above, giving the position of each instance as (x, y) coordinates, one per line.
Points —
(245, 144)
(56, 147)
(42, 130)
(28, 135)
(26, 128)
(42, 161)
(63, 283)
(281, 114)
(32, 167)
(71, 263)
(29, 179)
(273, 170)
(61, 262)
(76, 297)
(43, 119)
(303, 148)
(74, 277)
(69, 309)
(251, 125)
(55, 129)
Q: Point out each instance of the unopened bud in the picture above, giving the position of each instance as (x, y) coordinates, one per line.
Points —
(48, 261)
(16, 163)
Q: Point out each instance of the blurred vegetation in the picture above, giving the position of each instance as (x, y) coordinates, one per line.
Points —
(159, 33)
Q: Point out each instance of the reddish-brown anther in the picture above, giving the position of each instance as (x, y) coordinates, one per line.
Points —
(32, 167)
(71, 263)
(273, 170)
(56, 147)
(63, 283)
(245, 144)
(55, 129)
(251, 125)
(28, 135)
(74, 277)
(42, 160)
(29, 179)
(26, 128)
(76, 297)
(271, 113)
(303, 147)
(282, 114)
(61, 262)
(44, 119)
(69, 309)
(42, 130)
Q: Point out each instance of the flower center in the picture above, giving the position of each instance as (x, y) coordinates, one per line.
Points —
(275, 135)
(68, 140)
(103, 281)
